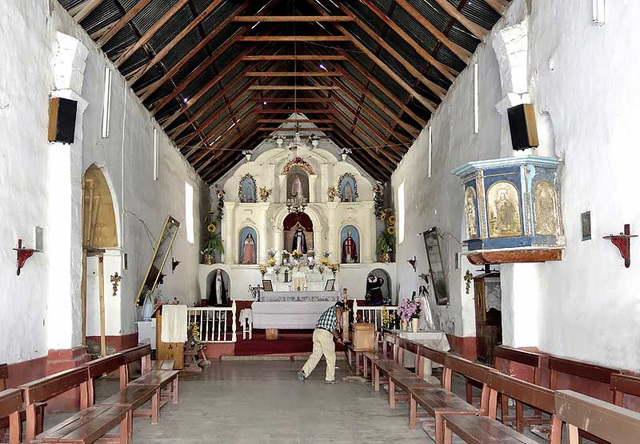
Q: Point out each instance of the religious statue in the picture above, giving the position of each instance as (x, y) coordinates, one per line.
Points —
(347, 194)
(248, 251)
(299, 241)
(247, 191)
(349, 250)
(374, 290)
(426, 318)
(470, 213)
(296, 188)
(218, 292)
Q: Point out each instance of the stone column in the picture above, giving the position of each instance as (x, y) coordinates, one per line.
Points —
(229, 231)
(279, 242)
(313, 179)
(282, 188)
(263, 228)
(367, 240)
(334, 236)
(325, 180)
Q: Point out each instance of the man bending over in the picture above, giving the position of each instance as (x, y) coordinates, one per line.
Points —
(327, 328)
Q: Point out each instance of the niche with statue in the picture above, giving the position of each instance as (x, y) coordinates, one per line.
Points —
(512, 210)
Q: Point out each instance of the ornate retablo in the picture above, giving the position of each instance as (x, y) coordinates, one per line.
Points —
(512, 205)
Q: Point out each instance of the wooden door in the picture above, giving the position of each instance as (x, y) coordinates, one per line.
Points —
(481, 317)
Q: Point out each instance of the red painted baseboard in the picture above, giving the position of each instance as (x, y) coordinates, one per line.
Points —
(464, 346)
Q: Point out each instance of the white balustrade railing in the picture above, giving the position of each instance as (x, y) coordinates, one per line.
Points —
(371, 314)
(217, 324)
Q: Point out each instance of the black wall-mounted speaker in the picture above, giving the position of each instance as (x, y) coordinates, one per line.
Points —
(62, 120)
(522, 124)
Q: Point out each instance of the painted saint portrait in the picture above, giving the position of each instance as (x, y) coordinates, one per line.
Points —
(503, 204)
(347, 188)
(470, 212)
(247, 189)
(545, 208)
(248, 246)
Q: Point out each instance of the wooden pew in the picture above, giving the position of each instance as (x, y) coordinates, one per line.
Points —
(484, 429)
(4, 419)
(406, 380)
(86, 426)
(10, 405)
(606, 421)
(539, 362)
(99, 367)
(624, 385)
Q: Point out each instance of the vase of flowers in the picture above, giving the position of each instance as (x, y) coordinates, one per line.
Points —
(331, 193)
(407, 311)
(271, 261)
(263, 270)
(296, 254)
(334, 268)
(264, 193)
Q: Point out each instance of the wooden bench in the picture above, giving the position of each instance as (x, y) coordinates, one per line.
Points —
(480, 429)
(86, 426)
(539, 363)
(405, 379)
(4, 419)
(624, 385)
(606, 421)
(10, 406)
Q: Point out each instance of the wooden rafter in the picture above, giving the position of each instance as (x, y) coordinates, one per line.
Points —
(81, 11)
(298, 100)
(293, 88)
(177, 39)
(462, 53)
(478, 31)
(319, 57)
(292, 38)
(291, 18)
(289, 111)
(294, 74)
(122, 22)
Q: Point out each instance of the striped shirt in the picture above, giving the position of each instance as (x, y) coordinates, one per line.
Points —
(328, 320)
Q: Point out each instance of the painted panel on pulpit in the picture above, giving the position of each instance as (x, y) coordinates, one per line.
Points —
(297, 184)
(471, 213)
(503, 203)
(349, 245)
(347, 188)
(298, 233)
(545, 208)
(247, 189)
(248, 246)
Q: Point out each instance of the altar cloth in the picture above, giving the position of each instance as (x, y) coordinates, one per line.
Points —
(289, 315)
(298, 296)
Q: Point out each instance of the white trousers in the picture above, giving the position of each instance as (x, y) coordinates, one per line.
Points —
(322, 345)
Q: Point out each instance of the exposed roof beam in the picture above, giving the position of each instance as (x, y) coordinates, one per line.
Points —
(294, 74)
(291, 18)
(150, 32)
(433, 87)
(443, 69)
(291, 111)
(122, 22)
(174, 69)
(319, 57)
(462, 53)
(362, 47)
(500, 6)
(293, 88)
(294, 121)
(298, 99)
(177, 39)
(291, 130)
(81, 11)
(478, 31)
(292, 38)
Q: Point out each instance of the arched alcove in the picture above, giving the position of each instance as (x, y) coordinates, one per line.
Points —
(297, 184)
(349, 245)
(295, 223)
(211, 298)
(248, 252)
(382, 284)
(99, 229)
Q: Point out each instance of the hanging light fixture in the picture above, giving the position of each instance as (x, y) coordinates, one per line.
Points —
(344, 152)
(247, 155)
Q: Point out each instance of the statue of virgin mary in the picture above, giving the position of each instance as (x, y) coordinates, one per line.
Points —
(249, 250)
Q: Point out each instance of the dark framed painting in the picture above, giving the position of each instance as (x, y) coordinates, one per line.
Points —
(585, 218)
(266, 285)
(328, 286)
(436, 266)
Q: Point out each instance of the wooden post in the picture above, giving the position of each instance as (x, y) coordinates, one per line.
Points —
(234, 336)
(103, 339)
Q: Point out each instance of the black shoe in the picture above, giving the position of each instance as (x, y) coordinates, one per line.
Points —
(301, 376)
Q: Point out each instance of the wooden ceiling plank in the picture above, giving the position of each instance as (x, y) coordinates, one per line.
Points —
(292, 38)
(319, 57)
(122, 22)
(291, 18)
(462, 53)
(294, 74)
(193, 100)
(81, 11)
(293, 121)
(150, 32)
(174, 70)
(293, 88)
(298, 100)
(441, 67)
(478, 31)
(432, 86)
(177, 39)
(289, 111)
(291, 130)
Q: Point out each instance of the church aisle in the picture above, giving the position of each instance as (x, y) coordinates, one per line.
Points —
(262, 402)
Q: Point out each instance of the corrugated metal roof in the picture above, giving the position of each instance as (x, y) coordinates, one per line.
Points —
(210, 102)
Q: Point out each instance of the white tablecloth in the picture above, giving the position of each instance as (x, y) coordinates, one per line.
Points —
(288, 315)
(298, 296)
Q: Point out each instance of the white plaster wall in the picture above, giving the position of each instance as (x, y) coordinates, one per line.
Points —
(27, 199)
(584, 77)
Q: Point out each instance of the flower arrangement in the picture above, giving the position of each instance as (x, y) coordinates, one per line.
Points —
(195, 334)
(272, 257)
(324, 260)
(213, 241)
(264, 193)
(263, 269)
(334, 268)
(378, 201)
(385, 318)
(332, 193)
(220, 205)
(296, 254)
(387, 239)
(408, 309)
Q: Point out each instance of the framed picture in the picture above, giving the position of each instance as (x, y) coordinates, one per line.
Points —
(586, 225)
(328, 286)
(436, 266)
(266, 284)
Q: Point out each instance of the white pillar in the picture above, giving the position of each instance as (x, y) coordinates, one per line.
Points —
(334, 236)
(64, 234)
(325, 181)
(282, 188)
(279, 242)
(229, 231)
(367, 240)
(313, 179)
(263, 237)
